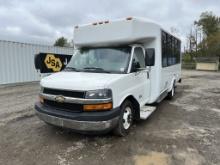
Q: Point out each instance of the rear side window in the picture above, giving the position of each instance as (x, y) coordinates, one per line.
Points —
(164, 50)
(170, 50)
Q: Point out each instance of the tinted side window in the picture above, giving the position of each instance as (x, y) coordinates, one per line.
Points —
(170, 50)
(178, 54)
(164, 50)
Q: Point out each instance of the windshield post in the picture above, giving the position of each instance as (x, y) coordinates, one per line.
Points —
(132, 55)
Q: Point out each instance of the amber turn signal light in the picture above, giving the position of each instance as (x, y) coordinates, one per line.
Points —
(41, 99)
(98, 107)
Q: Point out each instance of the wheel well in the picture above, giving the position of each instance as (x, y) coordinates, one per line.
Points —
(136, 106)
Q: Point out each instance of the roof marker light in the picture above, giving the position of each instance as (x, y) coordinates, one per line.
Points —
(129, 18)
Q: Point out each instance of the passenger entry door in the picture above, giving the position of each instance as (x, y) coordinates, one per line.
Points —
(140, 75)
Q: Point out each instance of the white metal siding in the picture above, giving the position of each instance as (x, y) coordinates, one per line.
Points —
(17, 60)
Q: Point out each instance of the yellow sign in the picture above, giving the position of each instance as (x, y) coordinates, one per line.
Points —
(53, 63)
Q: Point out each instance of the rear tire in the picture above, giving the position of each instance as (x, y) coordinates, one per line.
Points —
(171, 93)
(125, 120)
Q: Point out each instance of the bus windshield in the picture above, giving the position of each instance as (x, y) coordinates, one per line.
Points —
(109, 60)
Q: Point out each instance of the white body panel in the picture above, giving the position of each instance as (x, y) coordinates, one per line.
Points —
(144, 89)
(115, 33)
(122, 85)
(168, 76)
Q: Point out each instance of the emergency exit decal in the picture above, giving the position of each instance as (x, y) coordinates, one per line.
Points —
(50, 62)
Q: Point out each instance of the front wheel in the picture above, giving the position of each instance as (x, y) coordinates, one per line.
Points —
(125, 119)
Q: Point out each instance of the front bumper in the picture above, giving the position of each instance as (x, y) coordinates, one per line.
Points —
(80, 122)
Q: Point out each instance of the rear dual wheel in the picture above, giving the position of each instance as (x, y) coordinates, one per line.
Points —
(171, 93)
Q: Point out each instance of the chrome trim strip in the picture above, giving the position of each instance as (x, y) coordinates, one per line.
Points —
(75, 100)
(78, 125)
(64, 89)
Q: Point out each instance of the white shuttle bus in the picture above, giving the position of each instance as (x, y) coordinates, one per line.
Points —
(119, 70)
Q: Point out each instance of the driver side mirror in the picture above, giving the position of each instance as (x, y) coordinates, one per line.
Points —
(150, 57)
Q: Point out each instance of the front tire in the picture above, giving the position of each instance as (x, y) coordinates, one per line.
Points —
(125, 120)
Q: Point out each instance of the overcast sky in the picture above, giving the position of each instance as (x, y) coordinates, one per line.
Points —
(42, 21)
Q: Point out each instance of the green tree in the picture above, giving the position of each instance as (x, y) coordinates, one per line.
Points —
(213, 44)
(210, 25)
(61, 42)
(209, 22)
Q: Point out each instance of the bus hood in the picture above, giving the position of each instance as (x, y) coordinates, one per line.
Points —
(79, 80)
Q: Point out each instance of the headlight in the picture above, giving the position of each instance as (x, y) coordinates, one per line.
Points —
(99, 94)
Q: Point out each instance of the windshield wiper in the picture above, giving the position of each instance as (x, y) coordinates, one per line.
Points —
(96, 69)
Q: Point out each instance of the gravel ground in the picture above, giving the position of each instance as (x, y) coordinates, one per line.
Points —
(184, 131)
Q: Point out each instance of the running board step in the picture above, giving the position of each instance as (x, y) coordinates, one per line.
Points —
(146, 111)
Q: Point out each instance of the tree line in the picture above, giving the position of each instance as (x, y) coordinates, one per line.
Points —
(204, 37)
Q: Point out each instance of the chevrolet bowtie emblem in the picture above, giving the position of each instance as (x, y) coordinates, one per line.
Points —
(59, 99)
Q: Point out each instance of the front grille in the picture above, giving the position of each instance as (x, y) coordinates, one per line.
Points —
(64, 106)
(76, 94)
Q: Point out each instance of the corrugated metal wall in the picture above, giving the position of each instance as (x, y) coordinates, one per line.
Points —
(17, 61)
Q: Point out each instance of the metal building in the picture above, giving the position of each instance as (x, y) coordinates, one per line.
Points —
(17, 60)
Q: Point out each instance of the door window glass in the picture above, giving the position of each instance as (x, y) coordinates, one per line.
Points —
(139, 57)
